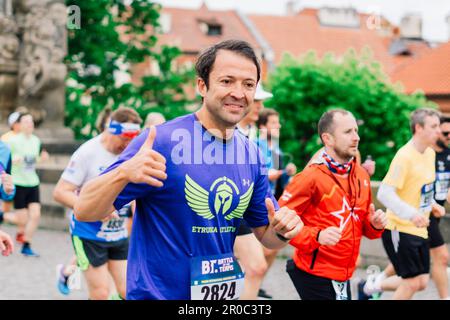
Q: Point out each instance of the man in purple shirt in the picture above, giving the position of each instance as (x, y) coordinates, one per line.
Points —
(186, 220)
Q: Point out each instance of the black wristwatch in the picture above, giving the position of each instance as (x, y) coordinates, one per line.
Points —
(281, 237)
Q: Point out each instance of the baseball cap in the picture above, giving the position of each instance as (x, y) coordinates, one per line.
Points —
(13, 117)
(261, 94)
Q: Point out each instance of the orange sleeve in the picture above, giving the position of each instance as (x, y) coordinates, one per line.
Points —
(370, 232)
(297, 196)
(306, 240)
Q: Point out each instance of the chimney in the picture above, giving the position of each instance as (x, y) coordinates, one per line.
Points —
(411, 26)
(448, 25)
(338, 17)
(291, 8)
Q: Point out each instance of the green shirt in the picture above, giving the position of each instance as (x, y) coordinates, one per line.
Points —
(28, 149)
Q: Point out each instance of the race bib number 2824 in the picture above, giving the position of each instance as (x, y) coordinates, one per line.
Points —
(217, 277)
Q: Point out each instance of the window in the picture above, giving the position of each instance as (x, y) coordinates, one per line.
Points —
(210, 27)
(214, 30)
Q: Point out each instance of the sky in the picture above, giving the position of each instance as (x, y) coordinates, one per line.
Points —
(433, 12)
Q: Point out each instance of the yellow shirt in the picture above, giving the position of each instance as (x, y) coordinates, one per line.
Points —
(8, 135)
(412, 174)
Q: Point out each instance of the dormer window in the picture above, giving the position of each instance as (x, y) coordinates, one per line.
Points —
(211, 27)
(214, 30)
(398, 47)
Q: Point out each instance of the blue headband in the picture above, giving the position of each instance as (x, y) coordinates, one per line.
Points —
(127, 129)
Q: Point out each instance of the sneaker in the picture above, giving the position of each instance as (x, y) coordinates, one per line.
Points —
(62, 283)
(263, 294)
(28, 252)
(376, 296)
(115, 296)
(20, 237)
(361, 294)
(372, 286)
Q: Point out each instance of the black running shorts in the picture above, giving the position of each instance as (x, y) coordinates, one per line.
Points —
(409, 254)
(244, 229)
(311, 287)
(434, 233)
(97, 253)
(25, 195)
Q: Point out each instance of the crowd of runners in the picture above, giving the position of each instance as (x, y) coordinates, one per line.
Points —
(199, 206)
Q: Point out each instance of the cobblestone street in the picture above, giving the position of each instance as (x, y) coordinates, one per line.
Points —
(35, 278)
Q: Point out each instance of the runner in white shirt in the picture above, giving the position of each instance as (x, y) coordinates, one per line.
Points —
(101, 247)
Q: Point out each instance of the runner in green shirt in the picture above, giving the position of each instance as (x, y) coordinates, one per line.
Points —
(26, 152)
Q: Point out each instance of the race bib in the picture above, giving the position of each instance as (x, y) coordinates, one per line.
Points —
(217, 277)
(29, 163)
(113, 225)
(114, 229)
(341, 289)
(426, 196)
(441, 185)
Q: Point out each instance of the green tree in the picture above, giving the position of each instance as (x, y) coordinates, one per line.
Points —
(111, 39)
(305, 88)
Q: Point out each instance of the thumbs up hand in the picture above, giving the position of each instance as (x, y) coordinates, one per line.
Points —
(378, 218)
(285, 222)
(147, 165)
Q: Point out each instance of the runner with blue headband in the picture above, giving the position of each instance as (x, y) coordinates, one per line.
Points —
(101, 247)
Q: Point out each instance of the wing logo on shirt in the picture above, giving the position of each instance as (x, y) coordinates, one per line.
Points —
(222, 191)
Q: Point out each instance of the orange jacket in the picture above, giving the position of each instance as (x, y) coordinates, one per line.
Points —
(319, 199)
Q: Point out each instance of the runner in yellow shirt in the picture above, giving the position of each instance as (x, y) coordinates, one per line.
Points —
(407, 192)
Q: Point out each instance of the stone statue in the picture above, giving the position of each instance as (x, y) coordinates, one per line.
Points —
(41, 67)
(8, 39)
(41, 26)
(9, 50)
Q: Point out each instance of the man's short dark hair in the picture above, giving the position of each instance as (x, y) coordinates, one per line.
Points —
(264, 116)
(126, 114)
(418, 117)
(205, 61)
(326, 122)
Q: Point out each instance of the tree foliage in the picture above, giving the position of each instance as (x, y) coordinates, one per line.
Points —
(305, 88)
(112, 38)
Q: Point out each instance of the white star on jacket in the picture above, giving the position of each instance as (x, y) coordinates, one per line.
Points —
(340, 214)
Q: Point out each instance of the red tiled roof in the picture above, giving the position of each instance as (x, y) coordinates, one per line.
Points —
(185, 30)
(303, 32)
(429, 72)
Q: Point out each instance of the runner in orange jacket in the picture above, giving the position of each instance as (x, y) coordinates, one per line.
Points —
(333, 198)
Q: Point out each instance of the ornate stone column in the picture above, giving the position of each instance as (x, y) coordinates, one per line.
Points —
(9, 65)
(41, 75)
